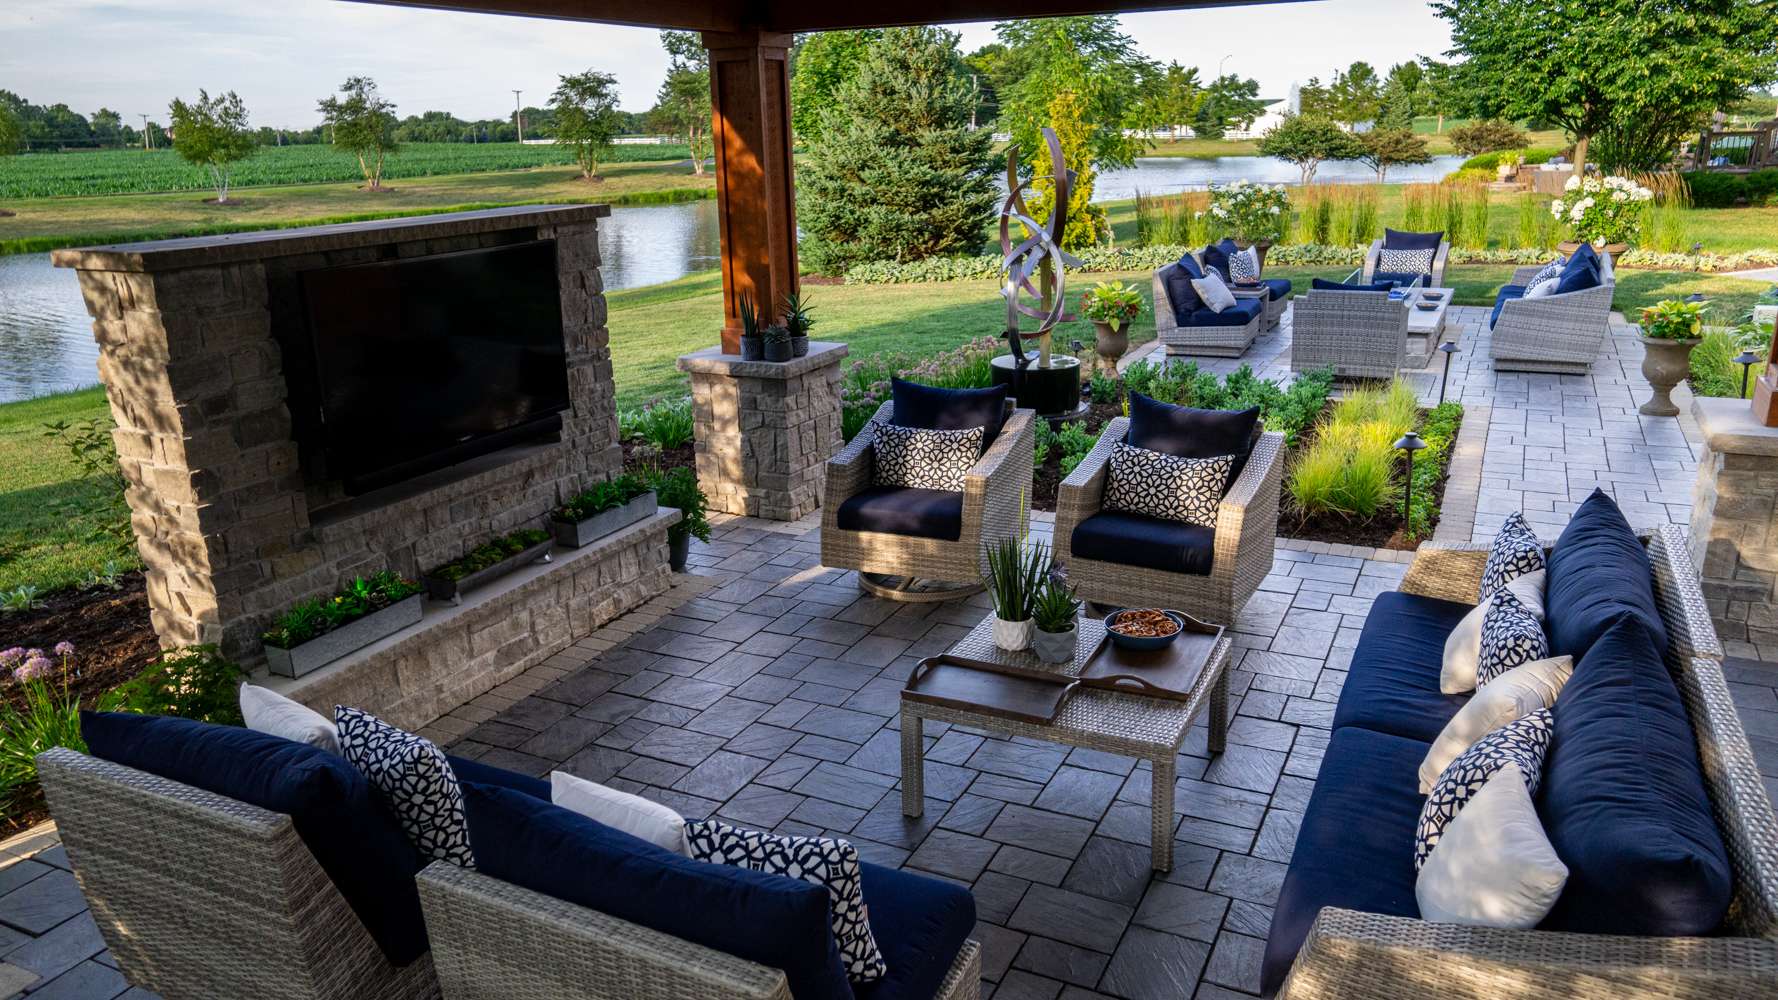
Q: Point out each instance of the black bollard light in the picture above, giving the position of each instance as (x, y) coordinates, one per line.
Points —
(1745, 359)
(1447, 348)
(1410, 443)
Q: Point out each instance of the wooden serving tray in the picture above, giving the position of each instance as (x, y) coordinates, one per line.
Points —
(997, 689)
(1169, 672)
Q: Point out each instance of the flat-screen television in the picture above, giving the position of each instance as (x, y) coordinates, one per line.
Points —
(428, 361)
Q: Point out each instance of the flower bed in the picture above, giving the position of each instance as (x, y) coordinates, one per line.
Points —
(865, 385)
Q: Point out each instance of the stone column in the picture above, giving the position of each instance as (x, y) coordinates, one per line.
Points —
(1734, 530)
(765, 430)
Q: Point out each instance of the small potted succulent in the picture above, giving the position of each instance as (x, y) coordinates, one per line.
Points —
(320, 630)
(1670, 329)
(752, 341)
(1014, 575)
(487, 562)
(1055, 613)
(616, 503)
(679, 488)
(777, 343)
(796, 317)
(1111, 305)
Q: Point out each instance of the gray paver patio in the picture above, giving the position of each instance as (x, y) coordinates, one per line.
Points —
(763, 690)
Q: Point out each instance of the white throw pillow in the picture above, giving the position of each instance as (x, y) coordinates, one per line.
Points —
(1494, 866)
(1215, 294)
(1513, 695)
(1463, 647)
(632, 814)
(266, 711)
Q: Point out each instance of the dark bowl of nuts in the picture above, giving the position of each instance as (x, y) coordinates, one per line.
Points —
(1144, 628)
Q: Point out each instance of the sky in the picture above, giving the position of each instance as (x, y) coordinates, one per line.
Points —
(282, 56)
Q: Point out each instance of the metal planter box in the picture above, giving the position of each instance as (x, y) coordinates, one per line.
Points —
(330, 646)
(453, 590)
(574, 534)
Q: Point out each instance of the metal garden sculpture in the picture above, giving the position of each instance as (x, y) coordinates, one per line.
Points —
(1039, 255)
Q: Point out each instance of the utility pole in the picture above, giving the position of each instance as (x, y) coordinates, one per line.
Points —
(147, 134)
(518, 117)
(975, 97)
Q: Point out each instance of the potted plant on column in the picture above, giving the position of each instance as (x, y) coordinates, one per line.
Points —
(777, 343)
(752, 342)
(1014, 574)
(1110, 306)
(679, 488)
(1670, 329)
(797, 319)
(1055, 614)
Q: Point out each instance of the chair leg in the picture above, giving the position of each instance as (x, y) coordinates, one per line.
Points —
(1219, 713)
(1160, 831)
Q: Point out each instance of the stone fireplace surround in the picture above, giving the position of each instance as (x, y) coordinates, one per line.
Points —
(234, 526)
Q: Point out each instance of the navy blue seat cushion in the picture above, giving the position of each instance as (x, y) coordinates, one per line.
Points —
(1597, 569)
(904, 510)
(1243, 312)
(343, 821)
(926, 406)
(1279, 288)
(1400, 278)
(920, 924)
(1176, 278)
(774, 920)
(1118, 536)
(1324, 285)
(1623, 799)
(1392, 685)
(474, 770)
(1501, 298)
(1396, 239)
(1355, 847)
(1577, 279)
(1188, 432)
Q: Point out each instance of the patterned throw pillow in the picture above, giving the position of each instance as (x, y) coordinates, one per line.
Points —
(1405, 261)
(1546, 277)
(1515, 552)
(1244, 267)
(1159, 485)
(415, 778)
(823, 861)
(925, 459)
(1522, 742)
(1511, 636)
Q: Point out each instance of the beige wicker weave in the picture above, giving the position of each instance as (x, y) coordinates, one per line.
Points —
(496, 941)
(199, 896)
(1246, 530)
(1438, 262)
(1117, 722)
(1558, 334)
(1359, 334)
(996, 504)
(1214, 341)
(1349, 954)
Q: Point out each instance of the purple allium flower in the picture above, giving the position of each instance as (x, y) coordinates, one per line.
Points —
(64, 649)
(12, 657)
(35, 667)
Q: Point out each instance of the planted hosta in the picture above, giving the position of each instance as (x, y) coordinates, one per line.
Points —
(606, 507)
(486, 562)
(319, 631)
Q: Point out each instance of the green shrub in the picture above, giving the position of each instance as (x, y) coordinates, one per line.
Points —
(866, 385)
(1439, 431)
(1490, 160)
(666, 424)
(38, 711)
(679, 488)
(196, 682)
(320, 615)
(603, 496)
(1075, 441)
(1710, 189)
(1714, 371)
(1288, 411)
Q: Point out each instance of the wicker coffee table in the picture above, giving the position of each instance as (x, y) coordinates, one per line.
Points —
(1151, 729)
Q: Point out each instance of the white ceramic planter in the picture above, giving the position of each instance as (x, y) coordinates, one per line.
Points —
(1012, 636)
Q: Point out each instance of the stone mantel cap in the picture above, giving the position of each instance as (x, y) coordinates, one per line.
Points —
(711, 361)
(1729, 427)
(206, 251)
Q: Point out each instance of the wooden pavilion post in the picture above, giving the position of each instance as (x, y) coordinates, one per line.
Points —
(755, 194)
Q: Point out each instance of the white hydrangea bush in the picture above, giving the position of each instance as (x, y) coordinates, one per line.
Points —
(1602, 210)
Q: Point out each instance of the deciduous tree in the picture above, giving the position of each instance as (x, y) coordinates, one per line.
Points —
(1355, 94)
(682, 105)
(825, 61)
(212, 132)
(1386, 147)
(587, 119)
(363, 124)
(1487, 136)
(1093, 59)
(1230, 102)
(1308, 141)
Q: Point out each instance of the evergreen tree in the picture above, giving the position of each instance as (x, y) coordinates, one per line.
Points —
(1088, 224)
(894, 173)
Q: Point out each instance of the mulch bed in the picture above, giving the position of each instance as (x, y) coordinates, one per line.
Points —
(681, 457)
(1048, 477)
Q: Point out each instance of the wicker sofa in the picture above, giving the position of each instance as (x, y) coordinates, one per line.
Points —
(995, 503)
(1380, 948)
(1226, 334)
(1240, 546)
(1360, 334)
(1557, 334)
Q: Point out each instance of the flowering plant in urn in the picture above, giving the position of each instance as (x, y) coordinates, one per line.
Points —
(1252, 213)
(1603, 210)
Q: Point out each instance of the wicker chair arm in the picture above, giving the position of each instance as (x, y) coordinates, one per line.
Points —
(1247, 518)
(1450, 571)
(1001, 478)
(546, 947)
(1438, 263)
(1359, 955)
(851, 469)
(1082, 494)
(1163, 306)
(1522, 275)
(1371, 256)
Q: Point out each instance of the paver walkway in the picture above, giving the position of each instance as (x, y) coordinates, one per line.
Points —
(764, 690)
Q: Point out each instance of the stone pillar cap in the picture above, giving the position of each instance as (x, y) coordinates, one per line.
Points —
(1729, 427)
(711, 361)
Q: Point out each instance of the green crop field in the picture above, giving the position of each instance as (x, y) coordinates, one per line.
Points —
(137, 171)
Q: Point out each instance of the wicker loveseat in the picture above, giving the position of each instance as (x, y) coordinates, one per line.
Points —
(1238, 550)
(1347, 926)
(1558, 334)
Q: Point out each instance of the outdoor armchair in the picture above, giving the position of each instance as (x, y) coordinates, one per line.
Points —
(1392, 240)
(1559, 334)
(1238, 549)
(909, 544)
(1360, 334)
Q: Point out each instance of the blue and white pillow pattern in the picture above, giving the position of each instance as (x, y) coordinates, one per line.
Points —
(1544, 282)
(1515, 552)
(1244, 266)
(1511, 636)
(415, 778)
(1522, 742)
(1405, 261)
(823, 861)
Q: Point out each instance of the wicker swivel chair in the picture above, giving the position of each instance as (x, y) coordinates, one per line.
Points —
(915, 546)
(1559, 334)
(1240, 545)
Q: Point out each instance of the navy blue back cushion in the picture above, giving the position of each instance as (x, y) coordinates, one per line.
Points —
(1583, 254)
(1623, 799)
(1597, 569)
(1395, 239)
(340, 818)
(774, 920)
(1324, 285)
(1177, 279)
(920, 923)
(488, 774)
(1216, 256)
(1578, 279)
(926, 406)
(1188, 432)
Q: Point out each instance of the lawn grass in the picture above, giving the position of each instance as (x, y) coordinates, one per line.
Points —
(40, 544)
(46, 223)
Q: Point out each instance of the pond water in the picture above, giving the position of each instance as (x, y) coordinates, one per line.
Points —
(46, 341)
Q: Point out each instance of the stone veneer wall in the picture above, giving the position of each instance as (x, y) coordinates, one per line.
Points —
(219, 502)
(1734, 529)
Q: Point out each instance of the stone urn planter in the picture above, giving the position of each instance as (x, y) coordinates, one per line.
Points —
(1665, 363)
(1616, 250)
(1111, 341)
